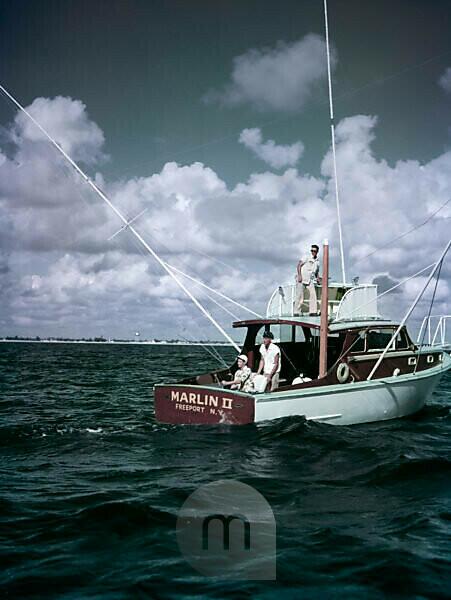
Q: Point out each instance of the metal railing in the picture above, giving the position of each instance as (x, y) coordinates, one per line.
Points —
(434, 331)
(359, 302)
(283, 299)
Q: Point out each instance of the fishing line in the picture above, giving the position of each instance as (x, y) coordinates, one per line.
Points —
(215, 354)
(200, 253)
(202, 285)
(213, 300)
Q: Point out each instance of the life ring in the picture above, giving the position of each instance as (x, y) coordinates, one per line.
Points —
(343, 372)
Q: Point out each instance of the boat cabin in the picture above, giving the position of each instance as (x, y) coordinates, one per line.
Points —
(356, 344)
(352, 350)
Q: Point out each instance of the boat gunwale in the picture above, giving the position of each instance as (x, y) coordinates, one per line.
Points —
(297, 392)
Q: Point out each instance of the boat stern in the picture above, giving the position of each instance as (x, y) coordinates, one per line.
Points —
(203, 405)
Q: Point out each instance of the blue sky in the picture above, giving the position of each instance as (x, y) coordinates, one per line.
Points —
(213, 116)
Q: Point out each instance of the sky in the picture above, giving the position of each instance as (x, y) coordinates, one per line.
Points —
(212, 117)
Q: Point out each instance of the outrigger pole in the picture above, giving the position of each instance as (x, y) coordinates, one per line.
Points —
(127, 224)
(332, 135)
(210, 289)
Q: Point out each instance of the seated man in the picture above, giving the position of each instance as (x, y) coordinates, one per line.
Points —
(242, 379)
(270, 362)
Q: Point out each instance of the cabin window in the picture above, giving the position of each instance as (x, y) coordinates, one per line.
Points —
(402, 342)
(299, 334)
(377, 339)
(358, 345)
(284, 333)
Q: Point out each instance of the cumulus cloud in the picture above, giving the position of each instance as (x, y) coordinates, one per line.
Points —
(277, 156)
(67, 121)
(276, 79)
(191, 213)
(57, 266)
(445, 80)
(381, 202)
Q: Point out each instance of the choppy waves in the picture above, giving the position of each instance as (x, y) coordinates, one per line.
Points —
(91, 486)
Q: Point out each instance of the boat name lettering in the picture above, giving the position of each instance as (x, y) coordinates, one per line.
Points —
(200, 400)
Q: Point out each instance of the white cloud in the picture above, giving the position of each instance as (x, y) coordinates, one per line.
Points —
(277, 156)
(67, 121)
(445, 80)
(57, 267)
(380, 202)
(276, 79)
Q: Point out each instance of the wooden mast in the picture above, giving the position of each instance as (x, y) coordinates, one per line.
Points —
(324, 323)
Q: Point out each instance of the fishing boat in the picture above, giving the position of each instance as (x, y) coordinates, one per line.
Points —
(347, 366)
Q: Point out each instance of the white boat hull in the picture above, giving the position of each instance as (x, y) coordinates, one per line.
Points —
(353, 403)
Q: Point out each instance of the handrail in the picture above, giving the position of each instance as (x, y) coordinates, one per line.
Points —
(289, 297)
(433, 333)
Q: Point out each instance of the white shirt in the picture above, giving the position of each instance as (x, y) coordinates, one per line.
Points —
(310, 269)
(269, 354)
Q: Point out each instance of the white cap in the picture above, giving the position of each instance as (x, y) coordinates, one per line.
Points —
(243, 357)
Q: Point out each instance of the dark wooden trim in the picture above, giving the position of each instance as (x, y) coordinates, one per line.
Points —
(275, 322)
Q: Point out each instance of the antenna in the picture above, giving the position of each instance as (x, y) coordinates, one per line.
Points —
(127, 224)
(332, 135)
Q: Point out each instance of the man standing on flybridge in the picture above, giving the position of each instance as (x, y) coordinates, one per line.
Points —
(306, 276)
(270, 361)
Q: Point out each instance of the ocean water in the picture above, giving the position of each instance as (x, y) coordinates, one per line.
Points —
(91, 485)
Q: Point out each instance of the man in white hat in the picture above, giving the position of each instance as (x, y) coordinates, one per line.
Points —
(242, 379)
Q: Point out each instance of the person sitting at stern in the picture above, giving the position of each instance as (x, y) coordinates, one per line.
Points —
(242, 378)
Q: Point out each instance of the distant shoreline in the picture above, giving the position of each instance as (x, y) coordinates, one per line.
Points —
(116, 343)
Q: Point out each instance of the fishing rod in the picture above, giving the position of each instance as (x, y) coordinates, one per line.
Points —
(127, 223)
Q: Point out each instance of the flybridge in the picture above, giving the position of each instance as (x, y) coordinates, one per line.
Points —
(346, 302)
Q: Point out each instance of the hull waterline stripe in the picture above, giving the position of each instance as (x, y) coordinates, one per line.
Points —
(320, 418)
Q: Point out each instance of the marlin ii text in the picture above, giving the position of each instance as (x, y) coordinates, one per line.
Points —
(198, 402)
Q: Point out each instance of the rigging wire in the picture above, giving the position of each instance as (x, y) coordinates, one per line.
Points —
(393, 288)
(141, 251)
(338, 97)
(120, 215)
(429, 314)
(406, 233)
(198, 282)
(411, 309)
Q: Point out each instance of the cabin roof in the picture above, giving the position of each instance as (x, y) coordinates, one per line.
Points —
(341, 325)
(304, 321)
(314, 323)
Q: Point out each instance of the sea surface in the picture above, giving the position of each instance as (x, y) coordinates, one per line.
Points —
(91, 485)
